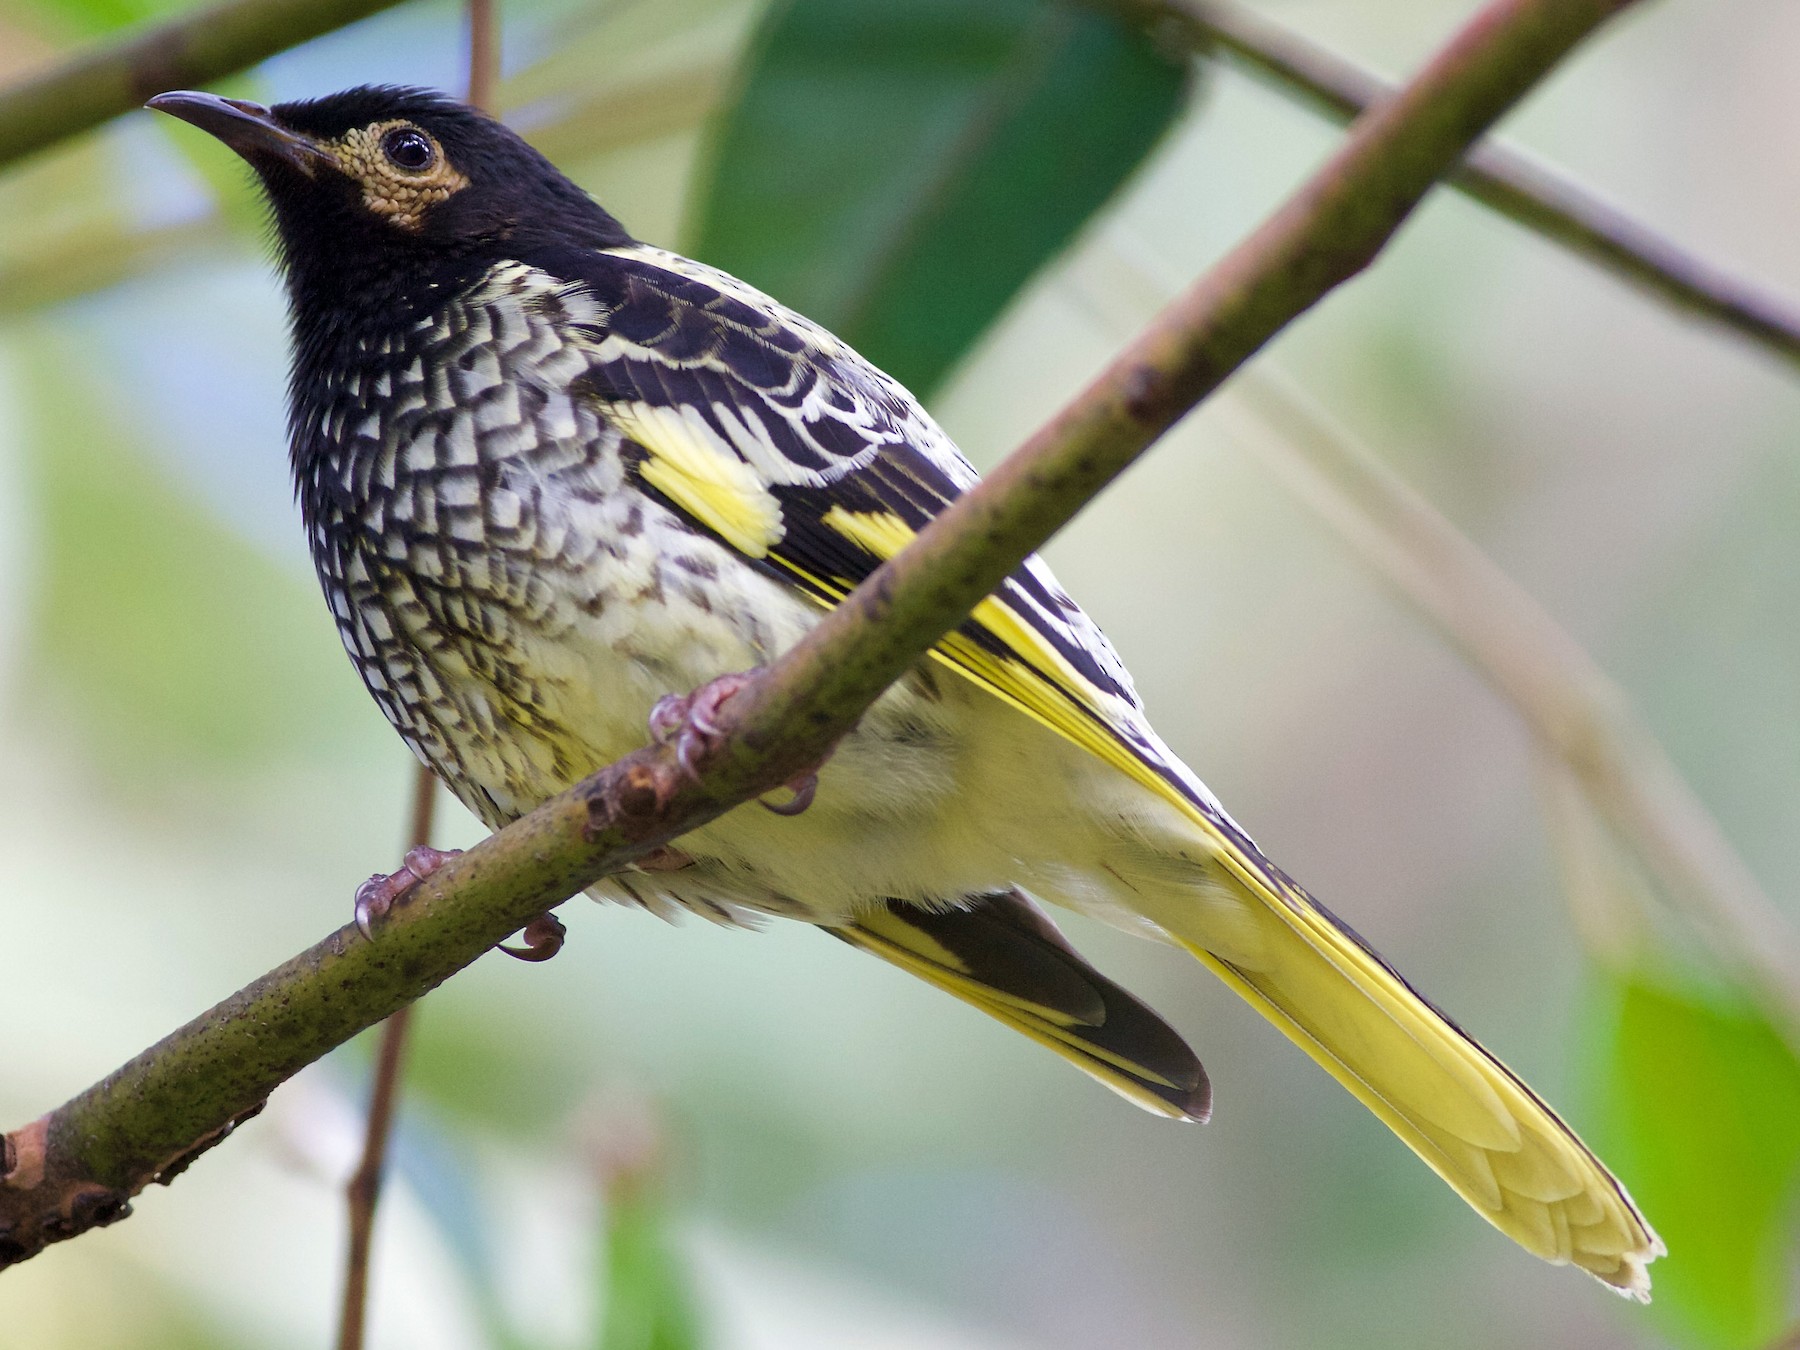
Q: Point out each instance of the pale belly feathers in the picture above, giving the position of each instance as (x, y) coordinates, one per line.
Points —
(516, 607)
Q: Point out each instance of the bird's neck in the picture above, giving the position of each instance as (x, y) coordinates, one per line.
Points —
(355, 317)
(338, 303)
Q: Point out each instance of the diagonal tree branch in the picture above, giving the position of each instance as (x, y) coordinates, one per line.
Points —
(113, 78)
(78, 1166)
(1496, 175)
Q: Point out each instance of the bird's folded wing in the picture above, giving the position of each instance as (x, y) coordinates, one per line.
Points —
(760, 428)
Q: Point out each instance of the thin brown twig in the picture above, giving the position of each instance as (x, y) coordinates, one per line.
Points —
(1497, 175)
(484, 54)
(79, 1166)
(1578, 714)
(363, 1191)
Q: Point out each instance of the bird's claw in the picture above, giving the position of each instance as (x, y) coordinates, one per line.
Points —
(375, 899)
(543, 939)
(690, 720)
(804, 788)
(377, 896)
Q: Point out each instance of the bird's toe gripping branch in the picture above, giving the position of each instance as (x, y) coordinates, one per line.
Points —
(691, 722)
(376, 898)
(543, 938)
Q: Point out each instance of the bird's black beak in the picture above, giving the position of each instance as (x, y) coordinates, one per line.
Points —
(247, 128)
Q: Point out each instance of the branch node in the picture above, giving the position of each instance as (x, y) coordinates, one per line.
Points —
(87, 1205)
(1148, 395)
(22, 1162)
(639, 795)
(84, 1205)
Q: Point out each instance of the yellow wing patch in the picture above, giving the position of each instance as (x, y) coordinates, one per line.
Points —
(1021, 683)
(879, 532)
(692, 467)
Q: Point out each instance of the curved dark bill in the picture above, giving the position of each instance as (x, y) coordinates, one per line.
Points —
(248, 128)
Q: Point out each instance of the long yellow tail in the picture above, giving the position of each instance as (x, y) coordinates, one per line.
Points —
(1455, 1105)
(1460, 1109)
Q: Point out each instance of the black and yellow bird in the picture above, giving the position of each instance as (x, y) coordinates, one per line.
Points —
(550, 474)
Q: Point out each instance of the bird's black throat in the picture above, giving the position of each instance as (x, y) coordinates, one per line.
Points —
(356, 292)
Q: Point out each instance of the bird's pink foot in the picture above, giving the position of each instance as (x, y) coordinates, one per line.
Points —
(543, 939)
(690, 720)
(377, 896)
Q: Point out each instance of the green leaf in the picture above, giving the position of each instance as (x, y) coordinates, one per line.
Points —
(1703, 1099)
(646, 1301)
(897, 171)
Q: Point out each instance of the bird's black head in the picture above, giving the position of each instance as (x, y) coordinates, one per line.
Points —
(384, 196)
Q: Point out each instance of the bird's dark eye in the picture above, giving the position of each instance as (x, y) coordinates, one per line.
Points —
(408, 149)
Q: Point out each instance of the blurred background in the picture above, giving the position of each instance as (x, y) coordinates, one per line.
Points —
(681, 1136)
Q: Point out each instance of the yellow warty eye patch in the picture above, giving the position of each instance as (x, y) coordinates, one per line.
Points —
(391, 191)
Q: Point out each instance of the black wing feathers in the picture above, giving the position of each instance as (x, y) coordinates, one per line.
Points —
(1004, 956)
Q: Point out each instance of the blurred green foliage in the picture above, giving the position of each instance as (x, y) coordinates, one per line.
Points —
(901, 172)
(137, 580)
(1704, 1107)
(897, 172)
(646, 1302)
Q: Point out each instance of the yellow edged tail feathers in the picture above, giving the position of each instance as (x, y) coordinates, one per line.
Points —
(1460, 1109)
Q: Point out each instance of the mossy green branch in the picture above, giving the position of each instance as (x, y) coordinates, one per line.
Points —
(116, 77)
(78, 1166)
